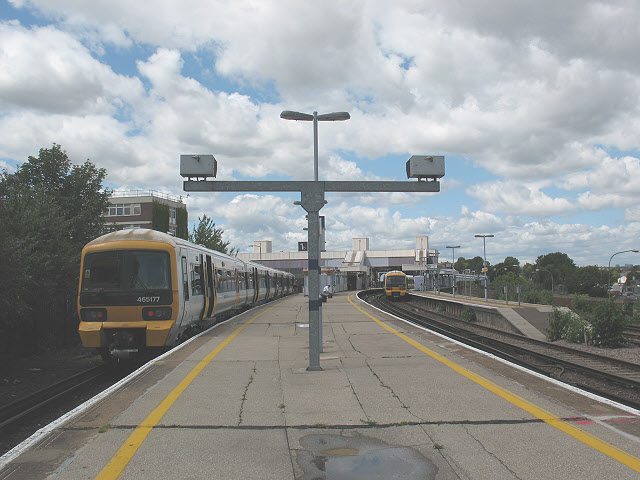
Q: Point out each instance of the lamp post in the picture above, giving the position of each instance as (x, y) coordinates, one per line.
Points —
(484, 265)
(314, 254)
(315, 118)
(609, 270)
(259, 245)
(427, 169)
(453, 269)
(549, 272)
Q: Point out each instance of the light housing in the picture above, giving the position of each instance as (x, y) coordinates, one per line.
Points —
(156, 313)
(93, 314)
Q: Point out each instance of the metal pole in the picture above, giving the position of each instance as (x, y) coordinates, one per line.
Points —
(453, 268)
(484, 266)
(315, 146)
(312, 200)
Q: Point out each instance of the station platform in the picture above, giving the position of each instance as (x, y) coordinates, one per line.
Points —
(531, 320)
(392, 401)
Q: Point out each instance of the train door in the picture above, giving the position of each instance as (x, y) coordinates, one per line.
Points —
(256, 284)
(267, 281)
(237, 281)
(211, 287)
(184, 275)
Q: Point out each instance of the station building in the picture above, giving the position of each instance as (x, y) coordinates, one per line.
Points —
(359, 267)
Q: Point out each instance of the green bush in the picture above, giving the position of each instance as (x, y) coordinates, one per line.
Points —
(468, 315)
(608, 320)
(580, 304)
(577, 329)
(442, 307)
(558, 322)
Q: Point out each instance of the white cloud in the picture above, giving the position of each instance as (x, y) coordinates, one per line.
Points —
(49, 71)
(537, 98)
(516, 198)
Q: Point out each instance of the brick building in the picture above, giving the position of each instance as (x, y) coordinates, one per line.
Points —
(147, 209)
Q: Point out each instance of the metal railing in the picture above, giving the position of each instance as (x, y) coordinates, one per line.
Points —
(146, 193)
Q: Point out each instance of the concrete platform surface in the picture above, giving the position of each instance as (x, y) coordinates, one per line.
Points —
(392, 401)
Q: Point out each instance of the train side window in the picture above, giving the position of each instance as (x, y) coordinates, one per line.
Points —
(196, 279)
(185, 278)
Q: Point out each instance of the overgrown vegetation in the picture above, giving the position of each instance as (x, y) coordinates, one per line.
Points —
(208, 235)
(468, 315)
(49, 209)
(601, 327)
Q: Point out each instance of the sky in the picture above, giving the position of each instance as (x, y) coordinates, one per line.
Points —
(534, 105)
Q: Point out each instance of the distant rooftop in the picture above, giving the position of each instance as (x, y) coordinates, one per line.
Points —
(146, 193)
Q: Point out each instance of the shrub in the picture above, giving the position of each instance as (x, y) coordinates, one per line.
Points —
(608, 321)
(468, 315)
(580, 304)
(558, 322)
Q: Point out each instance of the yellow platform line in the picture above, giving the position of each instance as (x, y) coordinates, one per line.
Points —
(539, 412)
(114, 468)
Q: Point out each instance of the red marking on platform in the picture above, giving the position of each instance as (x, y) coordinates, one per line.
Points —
(586, 421)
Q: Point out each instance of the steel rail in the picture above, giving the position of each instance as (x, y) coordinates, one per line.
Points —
(13, 412)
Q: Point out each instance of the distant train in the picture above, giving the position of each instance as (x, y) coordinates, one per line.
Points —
(142, 289)
(395, 285)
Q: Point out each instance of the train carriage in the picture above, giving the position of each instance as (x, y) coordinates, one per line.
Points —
(141, 289)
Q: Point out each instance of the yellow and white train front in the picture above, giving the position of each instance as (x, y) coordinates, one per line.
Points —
(395, 285)
(128, 296)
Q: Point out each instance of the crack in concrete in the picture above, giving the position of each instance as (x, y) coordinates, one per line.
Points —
(246, 390)
(393, 393)
(515, 475)
(355, 394)
(322, 426)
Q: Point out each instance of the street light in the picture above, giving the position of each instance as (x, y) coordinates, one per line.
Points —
(609, 270)
(484, 265)
(549, 272)
(325, 117)
(259, 245)
(453, 260)
(314, 255)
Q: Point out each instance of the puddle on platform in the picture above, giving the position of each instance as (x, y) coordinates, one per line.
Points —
(334, 457)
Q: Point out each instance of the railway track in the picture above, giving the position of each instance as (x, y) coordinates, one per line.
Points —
(632, 333)
(607, 377)
(17, 410)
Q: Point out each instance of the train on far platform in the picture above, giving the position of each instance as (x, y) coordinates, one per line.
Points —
(142, 290)
(396, 284)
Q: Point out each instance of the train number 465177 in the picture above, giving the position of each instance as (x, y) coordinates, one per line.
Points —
(148, 299)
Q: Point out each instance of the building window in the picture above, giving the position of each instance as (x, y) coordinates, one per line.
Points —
(122, 210)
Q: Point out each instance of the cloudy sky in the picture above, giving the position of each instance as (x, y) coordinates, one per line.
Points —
(535, 106)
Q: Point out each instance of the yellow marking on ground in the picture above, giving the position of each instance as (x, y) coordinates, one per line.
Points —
(114, 468)
(539, 412)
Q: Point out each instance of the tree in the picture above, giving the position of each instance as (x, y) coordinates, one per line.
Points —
(559, 265)
(207, 235)
(510, 264)
(49, 209)
(590, 280)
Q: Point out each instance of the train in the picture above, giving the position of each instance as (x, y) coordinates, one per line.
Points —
(395, 285)
(142, 290)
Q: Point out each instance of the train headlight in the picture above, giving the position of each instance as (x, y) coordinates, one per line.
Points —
(93, 314)
(156, 313)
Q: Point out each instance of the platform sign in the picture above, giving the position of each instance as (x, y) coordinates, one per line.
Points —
(302, 246)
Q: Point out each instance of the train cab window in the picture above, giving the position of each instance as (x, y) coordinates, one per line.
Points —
(396, 280)
(126, 270)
